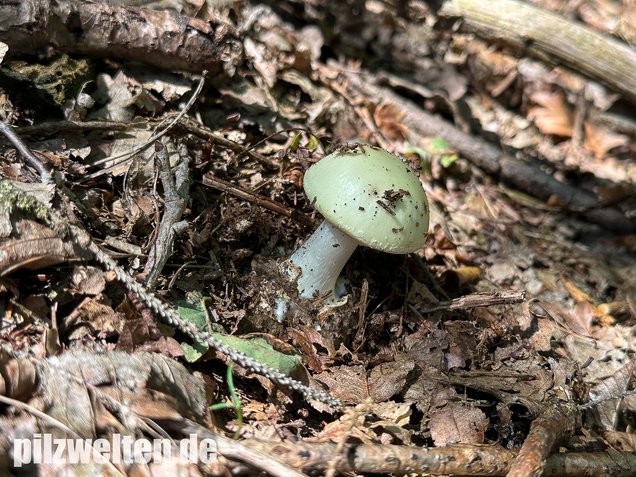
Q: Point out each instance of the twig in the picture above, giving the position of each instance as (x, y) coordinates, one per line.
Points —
(213, 181)
(26, 153)
(53, 127)
(237, 451)
(176, 188)
(477, 300)
(203, 132)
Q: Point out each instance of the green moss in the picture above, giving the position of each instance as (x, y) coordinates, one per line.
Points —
(55, 82)
(12, 198)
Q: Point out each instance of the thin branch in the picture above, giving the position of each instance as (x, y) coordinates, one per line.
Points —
(26, 153)
(237, 451)
(477, 300)
(556, 423)
(256, 199)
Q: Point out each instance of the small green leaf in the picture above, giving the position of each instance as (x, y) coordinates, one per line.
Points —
(196, 314)
(293, 147)
(438, 146)
(446, 160)
(256, 348)
(263, 352)
(193, 353)
(313, 143)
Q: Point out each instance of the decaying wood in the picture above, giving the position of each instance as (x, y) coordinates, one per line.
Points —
(238, 451)
(543, 33)
(160, 38)
(556, 423)
(526, 176)
(456, 459)
(176, 188)
(477, 300)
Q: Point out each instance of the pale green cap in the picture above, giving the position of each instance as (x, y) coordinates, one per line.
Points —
(372, 196)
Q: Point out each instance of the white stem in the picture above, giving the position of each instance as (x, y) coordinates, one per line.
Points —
(320, 260)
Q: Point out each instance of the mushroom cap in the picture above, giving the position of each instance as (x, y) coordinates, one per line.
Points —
(372, 196)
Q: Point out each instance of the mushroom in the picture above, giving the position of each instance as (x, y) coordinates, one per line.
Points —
(367, 197)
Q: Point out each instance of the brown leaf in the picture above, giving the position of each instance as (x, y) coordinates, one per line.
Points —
(609, 391)
(88, 280)
(600, 140)
(387, 379)
(552, 115)
(389, 120)
(101, 318)
(458, 423)
(17, 376)
(35, 247)
(309, 353)
(347, 383)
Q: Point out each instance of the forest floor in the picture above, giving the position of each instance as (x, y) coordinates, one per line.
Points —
(178, 135)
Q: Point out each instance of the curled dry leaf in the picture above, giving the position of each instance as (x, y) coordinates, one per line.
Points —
(609, 391)
(35, 246)
(600, 140)
(17, 376)
(552, 114)
(389, 119)
(70, 382)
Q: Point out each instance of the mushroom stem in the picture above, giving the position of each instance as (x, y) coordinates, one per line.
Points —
(319, 261)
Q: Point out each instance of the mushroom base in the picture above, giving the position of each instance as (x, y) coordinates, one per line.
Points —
(317, 264)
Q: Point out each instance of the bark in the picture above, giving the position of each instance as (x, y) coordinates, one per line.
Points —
(159, 38)
(456, 459)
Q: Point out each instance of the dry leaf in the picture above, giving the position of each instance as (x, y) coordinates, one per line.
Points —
(347, 383)
(389, 119)
(601, 140)
(387, 379)
(458, 423)
(552, 115)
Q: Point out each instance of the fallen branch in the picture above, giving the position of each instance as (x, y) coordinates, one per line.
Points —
(556, 423)
(526, 176)
(456, 459)
(159, 38)
(541, 33)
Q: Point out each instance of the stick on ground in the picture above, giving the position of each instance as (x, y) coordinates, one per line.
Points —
(598, 56)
